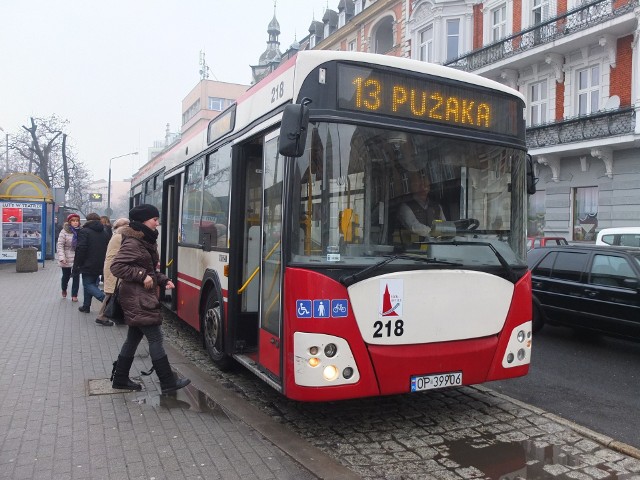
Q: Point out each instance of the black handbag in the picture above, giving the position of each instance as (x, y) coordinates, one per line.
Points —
(113, 310)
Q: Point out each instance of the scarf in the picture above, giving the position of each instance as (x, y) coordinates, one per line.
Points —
(150, 236)
(74, 240)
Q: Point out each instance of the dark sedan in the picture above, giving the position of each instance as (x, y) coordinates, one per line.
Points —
(589, 287)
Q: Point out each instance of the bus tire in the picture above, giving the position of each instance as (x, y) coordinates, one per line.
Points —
(212, 331)
(538, 320)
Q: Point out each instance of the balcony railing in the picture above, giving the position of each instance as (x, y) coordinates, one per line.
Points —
(585, 127)
(570, 22)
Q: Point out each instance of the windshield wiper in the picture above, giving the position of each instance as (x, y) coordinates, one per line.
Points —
(347, 280)
(510, 273)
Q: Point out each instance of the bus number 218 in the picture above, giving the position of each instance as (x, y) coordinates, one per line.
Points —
(388, 328)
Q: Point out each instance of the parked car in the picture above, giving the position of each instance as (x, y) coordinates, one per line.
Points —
(625, 236)
(588, 286)
(535, 242)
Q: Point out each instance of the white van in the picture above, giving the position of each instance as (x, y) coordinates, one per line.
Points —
(625, 236)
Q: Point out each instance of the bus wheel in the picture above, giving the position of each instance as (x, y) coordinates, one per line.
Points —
(538, 318)
(212, 330)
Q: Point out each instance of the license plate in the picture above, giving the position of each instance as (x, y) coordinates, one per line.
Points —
(440, 380)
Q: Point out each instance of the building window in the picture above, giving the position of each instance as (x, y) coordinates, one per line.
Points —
(588, 90)
(539, 11)
(453, 38)
(191, 112)
(585, 213)
(352, 46)
(499, 22)
(426, 44)
(538, 103)
(383, 40)
(218, 104)
(357, 6)
(342, 18)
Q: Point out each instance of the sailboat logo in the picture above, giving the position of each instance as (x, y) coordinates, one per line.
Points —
(391, 293)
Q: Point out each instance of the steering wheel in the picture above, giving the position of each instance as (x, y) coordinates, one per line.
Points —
(466, 224)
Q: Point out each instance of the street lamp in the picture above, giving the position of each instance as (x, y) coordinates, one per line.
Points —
(109, 212)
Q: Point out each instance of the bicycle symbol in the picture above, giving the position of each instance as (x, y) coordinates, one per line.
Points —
(339, 308)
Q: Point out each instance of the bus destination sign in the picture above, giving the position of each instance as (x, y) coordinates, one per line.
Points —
(428, 99)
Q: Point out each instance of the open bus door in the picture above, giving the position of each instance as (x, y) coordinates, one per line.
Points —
(254, 311)
(170, 222)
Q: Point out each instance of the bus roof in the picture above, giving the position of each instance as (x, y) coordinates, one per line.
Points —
(282, 86)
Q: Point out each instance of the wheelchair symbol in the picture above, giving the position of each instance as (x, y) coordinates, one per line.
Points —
(303, 308)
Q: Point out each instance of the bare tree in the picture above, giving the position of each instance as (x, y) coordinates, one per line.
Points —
(78, 193)
(42, 148)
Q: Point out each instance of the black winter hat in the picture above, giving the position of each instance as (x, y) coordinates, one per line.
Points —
(143, 212)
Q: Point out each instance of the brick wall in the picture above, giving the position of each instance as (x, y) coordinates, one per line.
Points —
(559, 101)
(621, 75)
(477, 26)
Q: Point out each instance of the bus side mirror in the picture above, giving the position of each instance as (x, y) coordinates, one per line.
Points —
(293, 131)
(531, 179)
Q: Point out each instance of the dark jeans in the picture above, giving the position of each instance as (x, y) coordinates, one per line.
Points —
(134, 336)
(75, 284)
(91, 289)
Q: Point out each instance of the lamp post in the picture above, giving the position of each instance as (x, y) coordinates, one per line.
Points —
(109, 212)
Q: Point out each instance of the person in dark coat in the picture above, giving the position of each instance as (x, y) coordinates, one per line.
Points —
(89, 260)
(135, 266)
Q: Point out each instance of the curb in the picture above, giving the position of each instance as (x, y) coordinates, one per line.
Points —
(600, 438)
(312, 458)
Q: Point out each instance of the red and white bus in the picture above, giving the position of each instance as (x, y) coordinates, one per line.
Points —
(281, 228)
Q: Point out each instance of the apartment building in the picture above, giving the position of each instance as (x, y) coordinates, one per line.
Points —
(578, 65)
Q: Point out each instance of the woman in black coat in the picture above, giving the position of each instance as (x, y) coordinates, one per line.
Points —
(135, 267)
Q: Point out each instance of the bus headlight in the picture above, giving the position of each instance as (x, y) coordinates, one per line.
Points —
(321, 360)
(330, 373)
(518, 348)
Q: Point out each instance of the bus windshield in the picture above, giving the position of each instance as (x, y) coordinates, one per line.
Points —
(361, 193)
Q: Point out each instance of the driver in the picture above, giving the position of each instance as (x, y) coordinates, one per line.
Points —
(419, 211)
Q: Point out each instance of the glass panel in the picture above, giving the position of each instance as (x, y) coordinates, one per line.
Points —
(192, 204)
(215, 205)
(585, 213)
(595, 76)
(453, 29)
(358, 197)
(426, 44)
(536, 214)
(272, 229)
(569, 266)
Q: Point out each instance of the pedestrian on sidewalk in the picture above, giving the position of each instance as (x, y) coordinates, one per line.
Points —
(106, 221)
(89, 261)
(109, 278)
(66, 252)
(135, 266)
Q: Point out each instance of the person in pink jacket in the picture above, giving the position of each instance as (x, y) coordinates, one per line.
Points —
(66, 252)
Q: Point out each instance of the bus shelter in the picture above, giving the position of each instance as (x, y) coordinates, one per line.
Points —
(26, 210)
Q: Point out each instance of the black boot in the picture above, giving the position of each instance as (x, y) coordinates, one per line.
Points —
(168, 381)
(120, 374)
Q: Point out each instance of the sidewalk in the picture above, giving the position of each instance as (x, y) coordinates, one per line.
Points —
(53, 425)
